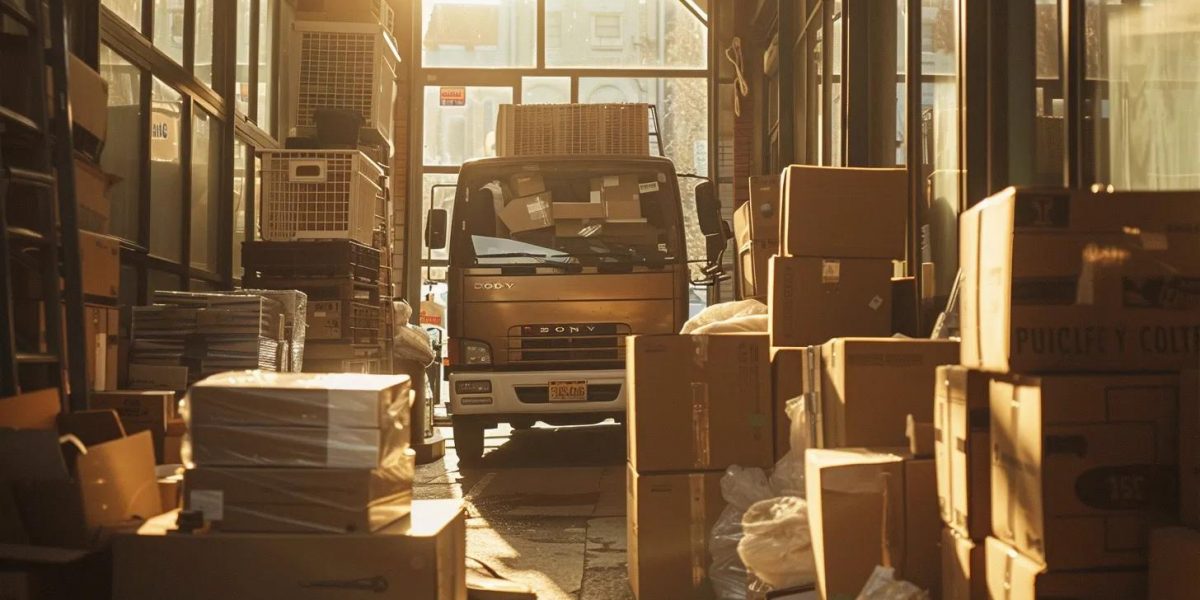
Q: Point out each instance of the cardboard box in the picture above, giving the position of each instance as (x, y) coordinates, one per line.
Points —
(320, 400)
(528, 213)
(526, 184)
(621, 195)
(962, 439)
(813, 300)
(754, 259)
(824, 212)
(668, 521)
(576, 228)
(872, 507)
(102, 328)
(254, 446)
(1174, 554)
(698, 402)
(757, 219)
(869, 386)
(139, 411)
(1189, 448)
(578, 210)
(270, 500)
(91, 193)
(788, 367)
(1013, 576)
(1083, 466)
(100, 261)
(1057, 281)
(964, 567)
(158, 377)
(421, 556)
(32, 410)
(117, 481)
(88, 95)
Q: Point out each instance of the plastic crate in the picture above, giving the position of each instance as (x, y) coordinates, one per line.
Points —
(318, 195)
(356, 11)
(349, 66)
(331, 259)
(353, 322)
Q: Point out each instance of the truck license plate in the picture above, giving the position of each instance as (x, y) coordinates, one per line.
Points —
(568, 391)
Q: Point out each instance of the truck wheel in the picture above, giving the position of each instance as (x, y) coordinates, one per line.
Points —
(468, 440)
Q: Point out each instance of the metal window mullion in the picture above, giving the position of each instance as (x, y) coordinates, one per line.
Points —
(540, 28)
(251, 62)
(185, 161)
(914, 140)
(785, 139)
(826, 123)
(1072, 62)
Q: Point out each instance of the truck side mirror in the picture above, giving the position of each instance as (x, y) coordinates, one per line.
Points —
(708, 209)
(435, 229)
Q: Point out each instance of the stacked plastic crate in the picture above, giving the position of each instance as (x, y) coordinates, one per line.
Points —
(326, 207)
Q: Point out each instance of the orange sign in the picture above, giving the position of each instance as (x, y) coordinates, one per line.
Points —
(453, 96)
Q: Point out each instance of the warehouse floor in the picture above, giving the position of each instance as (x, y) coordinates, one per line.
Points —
(546, 508)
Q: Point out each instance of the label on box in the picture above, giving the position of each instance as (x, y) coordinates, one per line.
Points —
(209, 502)
(595, 197)
(611, 181)
(646, 188)
(875, 303)
(831, 271)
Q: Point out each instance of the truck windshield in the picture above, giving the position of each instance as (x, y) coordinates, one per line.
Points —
(583, 216)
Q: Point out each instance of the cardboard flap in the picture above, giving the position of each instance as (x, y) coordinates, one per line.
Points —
(34, 410)
(31, 454)
(92, 426)
(118, 482)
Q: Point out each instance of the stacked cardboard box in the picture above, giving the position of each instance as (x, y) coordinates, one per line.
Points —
(756, 235)
(1075, 329)
(697, 405)
(290, 452)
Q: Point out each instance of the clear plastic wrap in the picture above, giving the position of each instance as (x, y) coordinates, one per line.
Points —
(741, 487)
(412, 343)
(723, 312)
(402, 311)
(777, 545)
(285, 500)
(883, 585)
(740, 324)
(295, 311)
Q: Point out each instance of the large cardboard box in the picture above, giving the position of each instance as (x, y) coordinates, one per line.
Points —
(421, 556)
(813, 300)
(91, 193)
(333, 400)
(1080, 281)
(1083, 466)
(757, 219)
(1189, 448)
(842, 211)
(1174, 555)
(101, 329)
(139, 411)
(669, 518)
(571, 211)
(621, 195)
(963, 567)
(268, 500)
(698, 402)
(962, 448)
(869, 386)
(528, 213)
(88, 95)
(256, 446)
(754, 259)
(117, 481)
(789, 366)
(526, 184)
(1013, 576)
(871, 507)
(100, 263)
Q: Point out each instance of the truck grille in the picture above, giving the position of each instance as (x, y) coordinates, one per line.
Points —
(567, 342)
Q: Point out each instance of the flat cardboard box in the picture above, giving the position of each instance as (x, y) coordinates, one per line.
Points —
(871, 507)
(754, 259)
(421, 556)
(843, 211)
(158, 377)
(813, 300)
(529, 213)
(698, 402)
(1174, 555)
(964, 566)
(1083, 466)
(869, 386)
(38, 409)
(962, 448)
(1057, 281)
(334, 400)
(669, 518)
(577, 210)
(1013, 576)
(526, 184)
(255, 446)
(100, 263)
(88, 94)
(146, 410)
(102, 328)
(621, 195)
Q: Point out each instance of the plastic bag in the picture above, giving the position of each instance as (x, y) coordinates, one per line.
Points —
(787, 478)
(723, 312)
(741, 487)
(412, 343)
(777, 545)
(741, 324)
(402, 311)
(883, 585)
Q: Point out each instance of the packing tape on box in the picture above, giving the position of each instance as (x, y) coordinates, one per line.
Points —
(701, 449)
(1010, 475)
(697, 532)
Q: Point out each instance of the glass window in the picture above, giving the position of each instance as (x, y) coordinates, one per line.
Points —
(266, 65)
(1047, 152)
(682, 107)
(901, 81)
(258, 187)
(206, 182)
(129, 10)
(123, 148)
(163, 281)
(545, 90)
(166, 172)
(1142, 93)
(491, 33)
(203, 57)
(441, 197)
(168, 28)
(241, 188)
(460, 122)
(241, 78)
(835, 88)
(625, 33)
(940, 139)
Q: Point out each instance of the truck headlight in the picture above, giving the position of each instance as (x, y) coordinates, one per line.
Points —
(476, 352)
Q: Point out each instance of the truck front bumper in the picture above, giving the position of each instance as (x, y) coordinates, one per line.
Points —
(527, 392)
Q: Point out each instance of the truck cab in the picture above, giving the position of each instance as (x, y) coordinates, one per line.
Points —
(553, 261)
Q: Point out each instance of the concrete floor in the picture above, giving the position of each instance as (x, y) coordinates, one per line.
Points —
(546, 507)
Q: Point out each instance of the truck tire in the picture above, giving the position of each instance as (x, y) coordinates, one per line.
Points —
(468, 440)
